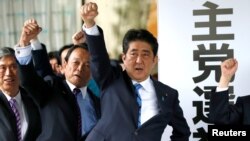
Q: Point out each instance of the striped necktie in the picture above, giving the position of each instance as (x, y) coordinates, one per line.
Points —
(77, 92)
(138, 100)
(13, 105)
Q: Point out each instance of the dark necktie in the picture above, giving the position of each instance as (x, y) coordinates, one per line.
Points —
(77, 92)
(138, 99)
(13, 105)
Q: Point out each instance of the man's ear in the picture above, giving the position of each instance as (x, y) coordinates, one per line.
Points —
(65, 64)
(123, 57)
(156, 59)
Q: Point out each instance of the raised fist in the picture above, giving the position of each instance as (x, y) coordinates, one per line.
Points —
(88, 13)
(78, 38)
(30, 31)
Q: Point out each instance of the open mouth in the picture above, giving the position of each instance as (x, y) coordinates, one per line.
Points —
(139, 69)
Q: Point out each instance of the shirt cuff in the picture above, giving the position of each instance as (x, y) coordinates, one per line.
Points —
(218, 89)
(36, 45)
(23, 54)
(91, 31)
(22, 51)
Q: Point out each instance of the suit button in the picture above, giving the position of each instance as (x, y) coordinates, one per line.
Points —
(136, 133)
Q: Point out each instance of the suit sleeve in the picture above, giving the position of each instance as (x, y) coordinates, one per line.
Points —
(33, 84)
(41, 62)
(221, 112)
(100, 66)
(181, 130)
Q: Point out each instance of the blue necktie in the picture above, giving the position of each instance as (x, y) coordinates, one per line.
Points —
(13, 105)
(77, 93)
(138, 99)
(87, 111)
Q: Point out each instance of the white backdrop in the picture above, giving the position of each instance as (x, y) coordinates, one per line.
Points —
(180, 59)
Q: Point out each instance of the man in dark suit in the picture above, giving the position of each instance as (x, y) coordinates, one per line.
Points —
(19, 116)
(130, 114)
(65, 116)
(221, 112)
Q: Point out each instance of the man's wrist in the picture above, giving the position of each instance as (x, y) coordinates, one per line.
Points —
(34, 40)
(224, 81)
(23, 43)
(89, 24)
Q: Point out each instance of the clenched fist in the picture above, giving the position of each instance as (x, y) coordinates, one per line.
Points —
(78, 38)
(30, 31)
(88, 13)
(228, 69)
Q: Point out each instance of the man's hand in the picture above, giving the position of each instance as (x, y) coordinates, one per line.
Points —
(88, 13)
(228, 69)
(30, 31)
(78, 38)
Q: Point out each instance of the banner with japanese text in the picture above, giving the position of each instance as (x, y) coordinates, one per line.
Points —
(195, 36)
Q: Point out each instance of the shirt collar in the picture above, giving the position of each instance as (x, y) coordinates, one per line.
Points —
(83, 89)
(146, 84)
(17, 97)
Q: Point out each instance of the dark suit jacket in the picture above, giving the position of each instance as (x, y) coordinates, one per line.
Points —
(221, 112)
(119, 108)
(57, 103)
(8, 128)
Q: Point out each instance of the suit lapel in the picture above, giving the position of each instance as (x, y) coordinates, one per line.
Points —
(161, 94)
(5, 102)
(68, 93)
(28, 111)
(10, 115)
(127, 80)
(131, 93)
(70, 98)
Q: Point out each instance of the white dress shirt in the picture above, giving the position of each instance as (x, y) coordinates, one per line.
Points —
(218, 89)
(149, 107)
(83, 89)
